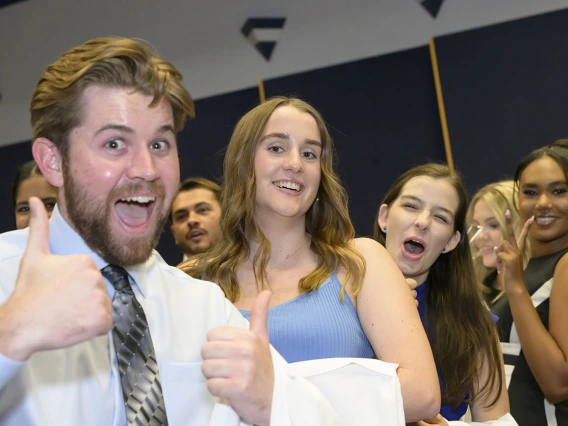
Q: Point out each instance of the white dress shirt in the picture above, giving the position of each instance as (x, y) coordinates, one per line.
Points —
(80, 385)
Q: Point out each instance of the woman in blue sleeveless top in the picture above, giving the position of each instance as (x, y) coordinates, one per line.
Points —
(286, 227)
(421, 222)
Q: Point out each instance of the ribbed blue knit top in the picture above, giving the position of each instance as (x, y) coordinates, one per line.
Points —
(317, 325)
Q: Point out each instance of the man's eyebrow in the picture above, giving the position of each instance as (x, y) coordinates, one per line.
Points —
(119, 127)
(202, 204)
(166, 128)
(180, 210)
(122, 128)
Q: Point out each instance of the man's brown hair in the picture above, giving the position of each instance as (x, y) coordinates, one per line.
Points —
(109, 62)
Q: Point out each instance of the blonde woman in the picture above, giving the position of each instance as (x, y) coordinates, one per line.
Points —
(286, 227)
(487, 230)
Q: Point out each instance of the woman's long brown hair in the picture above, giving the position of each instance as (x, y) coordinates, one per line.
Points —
(327, 220)
(459, 327)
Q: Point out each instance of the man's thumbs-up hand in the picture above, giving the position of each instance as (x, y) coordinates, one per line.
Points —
(237, 364)
(58, 301)
(259, 315)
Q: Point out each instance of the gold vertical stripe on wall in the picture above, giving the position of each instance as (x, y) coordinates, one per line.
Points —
(261, 94)
(441, 107)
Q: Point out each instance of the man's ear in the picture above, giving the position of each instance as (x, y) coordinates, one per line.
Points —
(49, 161)
(383, 216)
(453, 242)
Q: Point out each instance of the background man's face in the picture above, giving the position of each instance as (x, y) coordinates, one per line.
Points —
(196, 216)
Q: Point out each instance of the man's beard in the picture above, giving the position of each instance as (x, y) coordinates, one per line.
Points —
(92, 222)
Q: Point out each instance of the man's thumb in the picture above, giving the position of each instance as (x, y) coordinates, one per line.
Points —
(38, 240)
(259, 314)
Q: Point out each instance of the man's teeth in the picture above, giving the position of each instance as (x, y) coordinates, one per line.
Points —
(544, 220)
(142, 200)
(288, 185)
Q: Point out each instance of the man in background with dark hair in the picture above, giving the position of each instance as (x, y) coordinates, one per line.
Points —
(196, 215)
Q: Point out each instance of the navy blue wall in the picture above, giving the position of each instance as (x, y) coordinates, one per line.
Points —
(506, 91)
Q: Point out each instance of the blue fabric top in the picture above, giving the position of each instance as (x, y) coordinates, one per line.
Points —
(317, 325)
(446, 411)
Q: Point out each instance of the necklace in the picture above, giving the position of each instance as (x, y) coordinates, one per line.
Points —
(288, 256)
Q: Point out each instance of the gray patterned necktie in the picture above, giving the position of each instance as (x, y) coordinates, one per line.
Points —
(139, 376)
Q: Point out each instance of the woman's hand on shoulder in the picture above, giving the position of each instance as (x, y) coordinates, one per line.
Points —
(187, 263)
(412, 284)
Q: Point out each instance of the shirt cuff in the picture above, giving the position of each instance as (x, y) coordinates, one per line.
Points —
(8, 368)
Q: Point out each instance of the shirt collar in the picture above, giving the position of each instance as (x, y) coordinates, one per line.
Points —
(64, 240)
(185, 257)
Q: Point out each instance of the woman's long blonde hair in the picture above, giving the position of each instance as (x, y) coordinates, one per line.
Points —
(327, 220)
(499, 197)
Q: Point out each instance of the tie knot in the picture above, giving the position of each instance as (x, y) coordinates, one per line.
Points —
(117, 276)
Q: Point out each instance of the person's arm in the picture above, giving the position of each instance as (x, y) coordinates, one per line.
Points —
(390, 321)
(545, 356)
(557, 323)
(480, 409)
(545, 352)
(505, 420)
